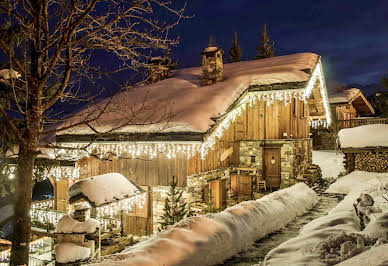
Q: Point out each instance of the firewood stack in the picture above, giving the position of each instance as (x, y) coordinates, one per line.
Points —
(371, 162)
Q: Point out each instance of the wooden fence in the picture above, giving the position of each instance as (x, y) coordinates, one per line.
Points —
(340, 124)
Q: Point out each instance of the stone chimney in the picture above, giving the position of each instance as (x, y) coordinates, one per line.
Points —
(158, 69)
(212, 65)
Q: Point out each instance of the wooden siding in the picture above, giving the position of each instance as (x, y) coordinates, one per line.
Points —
(257, 122)
(156, 172)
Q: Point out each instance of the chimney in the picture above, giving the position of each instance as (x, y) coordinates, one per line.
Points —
(212, 66)
(158, 69)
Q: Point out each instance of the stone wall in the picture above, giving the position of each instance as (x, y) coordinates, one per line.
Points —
(295, 157)
(195, 184)
(371, 161)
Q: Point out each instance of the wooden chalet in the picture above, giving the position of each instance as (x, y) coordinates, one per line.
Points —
(347, 104)
(228, 128)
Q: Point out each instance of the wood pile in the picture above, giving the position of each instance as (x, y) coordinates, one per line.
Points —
(371, 161)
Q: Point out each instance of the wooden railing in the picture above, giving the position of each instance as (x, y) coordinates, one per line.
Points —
(340, 124)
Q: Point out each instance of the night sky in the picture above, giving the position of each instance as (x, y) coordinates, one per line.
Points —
(351, 36)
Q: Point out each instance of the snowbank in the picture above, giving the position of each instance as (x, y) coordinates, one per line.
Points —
(68, 225)
(356, 180)
(69, 252)
(102, 189)
(330, 162)
(375, 256)
(209, 240)
(338, 235)
(364, 136)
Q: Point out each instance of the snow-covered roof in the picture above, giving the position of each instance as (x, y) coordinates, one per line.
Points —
(186, 105)
(343, 95)
(364, 136)
(68, 225)
(66, 252)
(103, 189)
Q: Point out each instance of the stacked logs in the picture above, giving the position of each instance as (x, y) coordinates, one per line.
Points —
(371, 162)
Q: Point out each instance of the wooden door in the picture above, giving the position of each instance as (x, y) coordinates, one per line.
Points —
(271, 166)
(218, 190)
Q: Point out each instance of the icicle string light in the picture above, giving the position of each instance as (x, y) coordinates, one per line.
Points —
(130, 150)
(58, 172)
(113, 208)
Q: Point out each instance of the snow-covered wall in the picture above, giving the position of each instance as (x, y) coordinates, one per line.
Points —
(209, 240)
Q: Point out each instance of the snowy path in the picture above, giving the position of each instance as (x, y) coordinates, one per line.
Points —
(256, 253)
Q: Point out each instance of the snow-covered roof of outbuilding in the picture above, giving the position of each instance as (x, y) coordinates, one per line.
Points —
(103, 189)
(343, 95)
(367, 136)
(182, 101)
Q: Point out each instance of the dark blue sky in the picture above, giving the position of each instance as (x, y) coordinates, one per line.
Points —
(350, 35)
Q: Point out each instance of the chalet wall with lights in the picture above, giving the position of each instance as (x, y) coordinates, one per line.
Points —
(231, 127)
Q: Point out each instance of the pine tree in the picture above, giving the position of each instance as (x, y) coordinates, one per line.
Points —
(235, 51)
(174, 210)
(265, 49)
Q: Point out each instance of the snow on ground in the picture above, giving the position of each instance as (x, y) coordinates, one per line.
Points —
(68, 225)
(364, 136)
(102, 189)
(69, 252)
(208, 240)
(338, 236)
(330, 162)
(356, 180)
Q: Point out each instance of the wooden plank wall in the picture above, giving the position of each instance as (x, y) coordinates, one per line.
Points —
(156, 172)
(258, 122)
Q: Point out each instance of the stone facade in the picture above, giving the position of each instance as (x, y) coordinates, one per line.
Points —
(212, 65)
(295, 157)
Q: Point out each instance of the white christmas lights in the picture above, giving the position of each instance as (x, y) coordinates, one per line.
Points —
(111, 209)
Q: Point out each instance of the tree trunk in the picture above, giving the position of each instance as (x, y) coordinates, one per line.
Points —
(22, 220)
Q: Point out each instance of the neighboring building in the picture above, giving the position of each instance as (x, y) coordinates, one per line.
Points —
(349, 108)
(347, 104)
(202, 123)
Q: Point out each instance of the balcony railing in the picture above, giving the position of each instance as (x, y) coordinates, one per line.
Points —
(340, 124)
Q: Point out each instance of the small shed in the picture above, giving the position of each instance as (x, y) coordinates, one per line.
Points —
(365, 148)
(107, 195)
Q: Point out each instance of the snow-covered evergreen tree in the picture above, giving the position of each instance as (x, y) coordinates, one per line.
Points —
(174, 209)
(235, 51)
(266, 48)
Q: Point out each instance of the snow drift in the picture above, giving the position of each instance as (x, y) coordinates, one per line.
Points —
(208, 240)
(328, 239)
